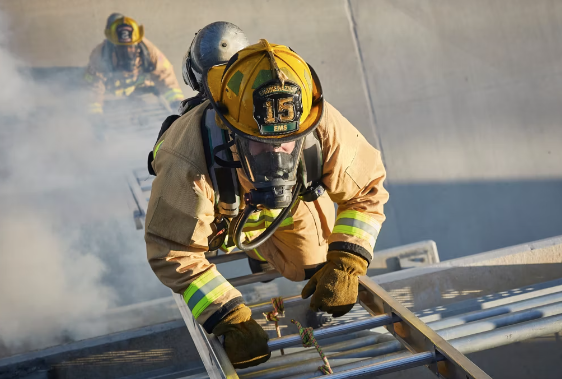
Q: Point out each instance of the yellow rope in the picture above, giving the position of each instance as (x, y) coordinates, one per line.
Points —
(278, 308)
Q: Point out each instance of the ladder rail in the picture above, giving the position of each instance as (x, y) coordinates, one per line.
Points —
(416, 336)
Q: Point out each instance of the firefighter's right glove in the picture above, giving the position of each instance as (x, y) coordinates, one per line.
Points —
(334, 288)
(245, 342)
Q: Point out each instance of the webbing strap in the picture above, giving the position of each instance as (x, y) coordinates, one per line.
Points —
(220, 164)
(313, 160)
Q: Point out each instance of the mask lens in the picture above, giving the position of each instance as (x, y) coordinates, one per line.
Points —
(257, 148)
(126, 56)
(268, 165)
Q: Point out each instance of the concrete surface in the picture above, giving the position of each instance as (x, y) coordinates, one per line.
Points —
(465, 95)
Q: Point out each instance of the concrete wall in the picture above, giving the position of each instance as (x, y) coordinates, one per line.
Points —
(467, 101)
(465, 95)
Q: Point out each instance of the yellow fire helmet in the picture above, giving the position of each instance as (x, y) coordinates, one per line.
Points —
(124, 31)
(266, 93)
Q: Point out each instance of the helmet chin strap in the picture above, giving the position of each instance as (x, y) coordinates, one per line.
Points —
(251, 207)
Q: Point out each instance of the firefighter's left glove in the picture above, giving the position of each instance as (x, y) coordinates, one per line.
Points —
(245, 342)
(334, 288)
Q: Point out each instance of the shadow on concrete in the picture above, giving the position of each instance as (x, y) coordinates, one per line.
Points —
(469, 218)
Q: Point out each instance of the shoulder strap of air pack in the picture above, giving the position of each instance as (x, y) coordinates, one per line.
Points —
(220, 164)
(107, 50)
(313, 167)
(165, 126)
(186, 106)
(147, 64)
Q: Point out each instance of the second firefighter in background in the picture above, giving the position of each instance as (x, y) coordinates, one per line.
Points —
(127, 61)
(269, 98)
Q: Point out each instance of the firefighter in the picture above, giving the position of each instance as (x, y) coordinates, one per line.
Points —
(127, 61)
(214, 44)
(270, 101)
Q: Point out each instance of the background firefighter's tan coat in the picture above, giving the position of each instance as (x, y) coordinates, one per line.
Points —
(181, 208)
(102, 78)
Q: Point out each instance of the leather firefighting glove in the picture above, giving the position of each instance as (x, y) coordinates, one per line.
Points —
(245, 342)
(334, 288)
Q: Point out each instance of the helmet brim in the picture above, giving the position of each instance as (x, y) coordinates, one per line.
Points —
(212, 87)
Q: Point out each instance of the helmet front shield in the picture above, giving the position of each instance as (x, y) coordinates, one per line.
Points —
(253, 101)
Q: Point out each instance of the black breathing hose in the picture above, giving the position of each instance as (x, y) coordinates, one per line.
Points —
(251, 208)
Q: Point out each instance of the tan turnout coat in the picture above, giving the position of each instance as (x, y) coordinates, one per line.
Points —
(181, 210)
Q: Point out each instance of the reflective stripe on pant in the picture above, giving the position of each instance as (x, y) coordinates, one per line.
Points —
(259, 256)
(304, 244)
(259, 221)
(126, 91)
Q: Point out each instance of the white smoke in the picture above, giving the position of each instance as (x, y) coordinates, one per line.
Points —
(67, 239)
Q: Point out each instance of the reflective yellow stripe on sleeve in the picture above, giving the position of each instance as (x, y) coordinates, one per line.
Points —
(358, 224)
(95, 108)
(165, 63)
(175, 94)
(157, 147)
(204, 290)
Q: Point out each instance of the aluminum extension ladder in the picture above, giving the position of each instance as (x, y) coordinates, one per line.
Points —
(439, 345)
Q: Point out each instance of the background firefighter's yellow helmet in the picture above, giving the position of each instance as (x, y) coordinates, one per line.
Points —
(124, 31)
(267, 93)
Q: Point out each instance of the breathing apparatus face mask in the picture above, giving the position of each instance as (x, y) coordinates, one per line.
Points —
(286, 105)
(127, 57)
(272, 169)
